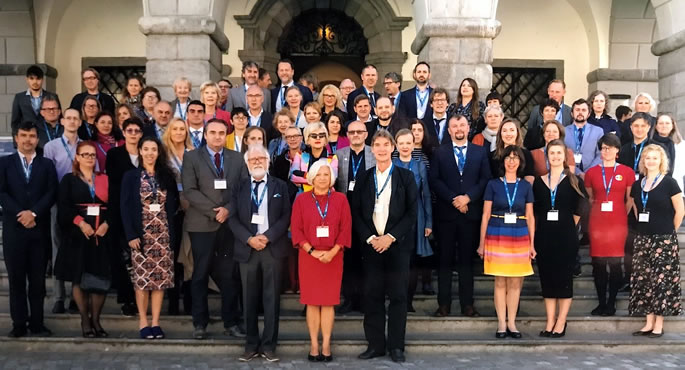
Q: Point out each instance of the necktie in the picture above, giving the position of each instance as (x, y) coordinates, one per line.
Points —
(392, 100)
(438, 131)
(217, 163)
(196, 135)
(255, 209)
(460, 157)
(27, 169)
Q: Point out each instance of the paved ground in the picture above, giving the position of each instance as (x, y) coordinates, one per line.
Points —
(568, 360)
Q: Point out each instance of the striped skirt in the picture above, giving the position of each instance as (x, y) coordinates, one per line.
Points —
(507, 249)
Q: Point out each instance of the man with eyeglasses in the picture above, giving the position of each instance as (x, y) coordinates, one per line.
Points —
(61, 151)
(392, 84)
(352, 162)
(436, 122)
(250, 76)
(346, 87)
(261, 245)
(225, 87)
(119, 160)
(162, 113)
(48, 125)
(91, 81)
(255, 109)
(195, 118)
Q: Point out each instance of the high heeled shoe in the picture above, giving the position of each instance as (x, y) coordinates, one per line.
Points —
(559, 335)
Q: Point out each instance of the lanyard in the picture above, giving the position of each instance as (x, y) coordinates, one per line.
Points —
(88, 129)
(153, 184)
(355, 167)
(576, 133)
(219, 170)
(553, 192)
(256, 202)
(422, 101)
(318, 207)
(604, 180)
(259, 121)
(27, 168)
(236, 143)
(102, 150)
(180, 110)
(636, 160)
(196, 142)
(397, 100)
(372, 100)
(511, 199)
(177, 163)
(375, 181)
(297, 120)
(92, 189)
(560, 113)
(645, 195)
(66, 148)
(47, 130)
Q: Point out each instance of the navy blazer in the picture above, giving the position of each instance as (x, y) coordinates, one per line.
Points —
(351, 114)
(433, 131)
(37, 196)
(402, 212)
(240, 221)
(408, 103)
(267, 124)
(446, 182)
(306, 95)
(132, 207)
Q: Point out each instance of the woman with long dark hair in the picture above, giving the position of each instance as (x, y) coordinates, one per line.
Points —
(107, 136)
(469, 106)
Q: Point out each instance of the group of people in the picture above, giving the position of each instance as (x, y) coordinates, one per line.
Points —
(255, 191)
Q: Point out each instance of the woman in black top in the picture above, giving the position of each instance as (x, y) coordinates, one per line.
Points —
(658, 206)
(509, 133)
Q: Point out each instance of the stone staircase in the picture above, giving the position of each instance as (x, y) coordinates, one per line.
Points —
(425, 334)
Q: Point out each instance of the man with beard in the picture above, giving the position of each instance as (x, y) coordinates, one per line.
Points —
(238, 98)
(261, 244)
(369, 78)
(26, 104)
(386, 120)
(582, 137)
(264, 79)
(415, 103)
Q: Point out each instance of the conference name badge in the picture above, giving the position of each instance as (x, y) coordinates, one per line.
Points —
(607, 206)
(93, 211)
(510, 218)
(350, 187)
(257, 219)
(643, 217)
(219, 184)
(578, 157)
(553, 215)
(322, 232)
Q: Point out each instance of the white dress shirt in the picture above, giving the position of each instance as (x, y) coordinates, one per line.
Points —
(264, 207)
(380, 217)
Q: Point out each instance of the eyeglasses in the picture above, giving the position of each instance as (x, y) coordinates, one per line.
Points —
(133, 131)
(257, 160)
(328, 96)
(317, 136)
(254, 96)
(292, 137)
(239, 118)
(356, 132)
(512, 159)
(87, 155)
(607, 148)
(439, 100)
(49, 109)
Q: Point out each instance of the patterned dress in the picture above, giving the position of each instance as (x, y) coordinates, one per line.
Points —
(154, 268)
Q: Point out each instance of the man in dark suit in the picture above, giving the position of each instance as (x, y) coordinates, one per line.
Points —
(414, 102)
(384, 214)
(458, 176)
(238, 94)
(392, 82)
(285, 69)
(369, 78)
(261, 245)
(437, 120)
(28, 187)
(26, 104)
(388, 119)
(48, 124)
(209, 174)
(195, 118)
(91, 81)
(162, 114)
(257, 115)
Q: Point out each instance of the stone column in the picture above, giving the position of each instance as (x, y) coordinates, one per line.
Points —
(455, 38)
(184, 38)
(671, 53)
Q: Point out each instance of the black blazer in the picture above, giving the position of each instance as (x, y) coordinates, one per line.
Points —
(150, 130)
(397, 122)
(401, 214)
(118, 162)
(132, 207)
(433, 131)
(407, 106)
(351, 114)
(306, 95)
(267, 124)
(240, 221)
(22, 110)
(446, 182)
(105, 100)
(16, 195)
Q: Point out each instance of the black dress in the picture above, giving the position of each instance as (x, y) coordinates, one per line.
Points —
(556, 242)
(78, 254)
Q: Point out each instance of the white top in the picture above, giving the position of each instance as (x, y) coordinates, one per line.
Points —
(679, 165)
(380, 214)
(264, 207)
(134, 159)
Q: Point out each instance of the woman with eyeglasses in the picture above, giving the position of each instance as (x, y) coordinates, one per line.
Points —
(107, 136)
(331, 100)
(89, 110)
(282, 120)
(84, 257)
(336, 132)
(316, 138)
(149, 199)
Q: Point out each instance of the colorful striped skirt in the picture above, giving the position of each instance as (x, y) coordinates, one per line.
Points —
(507, 249)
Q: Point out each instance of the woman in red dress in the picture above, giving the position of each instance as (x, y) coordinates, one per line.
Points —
(608, 185)
(321, 227)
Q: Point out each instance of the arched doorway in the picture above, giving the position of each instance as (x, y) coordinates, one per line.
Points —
(324, 37)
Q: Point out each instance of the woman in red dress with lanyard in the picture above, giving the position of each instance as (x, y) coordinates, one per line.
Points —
(321, 227)
(608, 185)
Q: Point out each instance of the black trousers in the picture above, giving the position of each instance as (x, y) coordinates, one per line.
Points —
(613, 277)
(223, 269)
(120, 262)
(456, 239)
(385, 273)
(261, 282)
(173, 294)
(26, 259)
(353, 274)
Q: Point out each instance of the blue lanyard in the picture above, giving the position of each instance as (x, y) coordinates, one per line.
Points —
(460, 156)
(318, 207)
(66, 148)
(553, 192)
(372, 100)
(645, 195)
(511, 199)
(47, 130)
(636, 160)
(256, 202)
(180, 111)
(422, 101)
(177, 163)
(259, 121)
(297, 120)
(92, 188)
(576, 133)
(101, 149)
(153, 184)
(27, 168)
(282, 93)
(375, 181)
(219, 170)
(604, 180)
(355, 167)
(88, 129)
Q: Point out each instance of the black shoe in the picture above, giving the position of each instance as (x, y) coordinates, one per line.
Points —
(40, 331)
(200, 332)
(545, 334)
(397, 355)
(158, 332)
(312, 358)
(500, 334)
(73, 308)
(58, 307)
(469, 311)
(101, 333)
(270, 356)
(248, 355)
(442, 311)
(514, 334)
(577, 270)
(370, 353)
(17, 332)
(427, 289)
(346, 307)
(641, 333)
(410, 308)
(325, 358)
(128, 309)
(655, 335)
(146, 333)
(235, 331)
(609, 311)
(598, 311)
(559, 335)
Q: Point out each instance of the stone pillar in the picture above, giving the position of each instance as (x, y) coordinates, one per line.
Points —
(184, 38)
(671, 53)
(455, 38)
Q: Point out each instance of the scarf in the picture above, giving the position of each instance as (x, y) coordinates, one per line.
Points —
(106, 139)
(490, 136)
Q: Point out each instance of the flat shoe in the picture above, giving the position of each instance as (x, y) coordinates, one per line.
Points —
(514, 334)
(545, 334)
(146, 333)
(500, 334)
(655, 335)
(641, 333)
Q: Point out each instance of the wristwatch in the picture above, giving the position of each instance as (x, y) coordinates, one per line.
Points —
(311, 250)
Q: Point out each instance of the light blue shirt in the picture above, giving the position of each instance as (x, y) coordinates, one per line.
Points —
(54, 150)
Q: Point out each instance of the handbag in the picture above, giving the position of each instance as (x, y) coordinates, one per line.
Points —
(94, 284)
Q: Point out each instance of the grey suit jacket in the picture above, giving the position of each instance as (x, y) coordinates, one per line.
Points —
(237, 99)
(198, 177)
(344, 166)
(588, 148)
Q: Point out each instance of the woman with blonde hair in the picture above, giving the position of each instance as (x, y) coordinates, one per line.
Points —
(316, 138)
(330, 99)
(210, 94)
(655, 281)
(312, 112)
(293, 98)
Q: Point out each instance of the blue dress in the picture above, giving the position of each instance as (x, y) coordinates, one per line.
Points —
(424, 219)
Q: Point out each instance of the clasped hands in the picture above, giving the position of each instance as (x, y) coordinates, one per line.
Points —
(460, 202)
(258, 242)
(381, 243)
(26, 219)
(221, 214)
